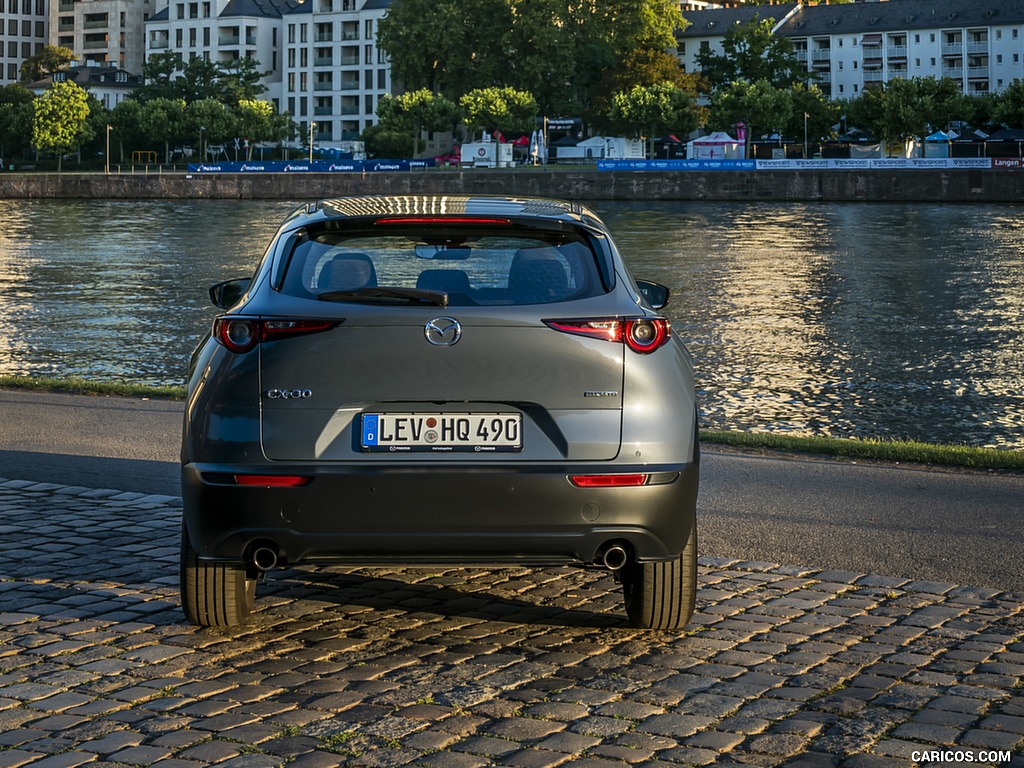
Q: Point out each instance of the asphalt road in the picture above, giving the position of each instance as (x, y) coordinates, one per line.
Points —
(946, 526)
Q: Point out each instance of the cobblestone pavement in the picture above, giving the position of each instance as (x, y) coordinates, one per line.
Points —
(450, 668)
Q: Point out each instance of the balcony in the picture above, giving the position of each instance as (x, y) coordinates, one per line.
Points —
(977, 73)
(324, 37)
(952, 49)
(323, 111)
(872, 76)
(323, 61)
(953, 73)
(823, 78)
(897, 52)
(801, 56)
(821, 54)
(94, 45)
(159, 43)
(325, 86)
(100, 24)
(977, 47)
(229, 40)
(349, 61)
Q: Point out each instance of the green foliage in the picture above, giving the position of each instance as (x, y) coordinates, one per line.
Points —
(1009, 106)
(821, 113)
(159, 72)
(163, 120)
(257, 121)
(417, 111)
(557, 50)
(53, 58)
(126, 122)
(653, 110)
(752, 53)
(499, 109)
(59, 120)
(383, 142)
(167, 77)
(16, 114)
(240, 80)
(760, 105)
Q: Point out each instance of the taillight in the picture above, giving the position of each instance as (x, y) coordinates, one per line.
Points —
(608, 481)
(642, 335)
(241, 334)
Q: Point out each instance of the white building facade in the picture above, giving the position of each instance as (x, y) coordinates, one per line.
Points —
(223, 31)
(978, 43)
(24, 32)
(334, 74)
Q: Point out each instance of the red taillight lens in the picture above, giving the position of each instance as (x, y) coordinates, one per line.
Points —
(608, 481)
(648, 334)
(273, 481)
(642, 335)
(241, 334)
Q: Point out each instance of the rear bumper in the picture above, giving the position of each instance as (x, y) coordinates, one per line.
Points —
(465, 515)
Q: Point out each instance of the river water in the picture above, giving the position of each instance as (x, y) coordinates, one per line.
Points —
(867, 320)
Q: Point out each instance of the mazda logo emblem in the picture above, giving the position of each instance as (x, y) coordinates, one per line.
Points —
(443, 331)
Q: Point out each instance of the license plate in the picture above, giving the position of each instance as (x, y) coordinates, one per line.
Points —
(440, 432)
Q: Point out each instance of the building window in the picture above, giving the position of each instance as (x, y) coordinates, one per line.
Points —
(368, 29)
(368, 54)
(932, 36)
(999, 58)
(917, 38)
(854, 87)
(382, 79)
(933, 61)
(291, 33)
(999, 34)
(840, 87)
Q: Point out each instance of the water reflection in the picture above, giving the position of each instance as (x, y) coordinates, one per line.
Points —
(865, 320)
(859, 319)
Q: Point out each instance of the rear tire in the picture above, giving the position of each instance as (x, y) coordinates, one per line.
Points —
(214, 594)
(662, 595)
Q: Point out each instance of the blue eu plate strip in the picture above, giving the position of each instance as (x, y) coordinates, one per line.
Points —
(370, 429)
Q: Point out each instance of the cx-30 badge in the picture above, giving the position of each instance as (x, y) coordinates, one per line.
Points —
(443, 331)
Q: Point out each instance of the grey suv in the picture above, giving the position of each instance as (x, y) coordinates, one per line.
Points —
(440, 380)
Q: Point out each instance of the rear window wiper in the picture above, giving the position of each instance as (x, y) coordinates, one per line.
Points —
(387, 294)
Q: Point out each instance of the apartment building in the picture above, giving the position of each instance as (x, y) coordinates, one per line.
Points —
(334, 73)
(102, 33)
(223, 31)
(24, 29)
(978, 43)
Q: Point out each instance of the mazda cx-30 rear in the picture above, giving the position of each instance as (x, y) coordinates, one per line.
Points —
(452, 380)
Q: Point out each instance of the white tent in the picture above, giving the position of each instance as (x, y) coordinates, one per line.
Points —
(716, 146)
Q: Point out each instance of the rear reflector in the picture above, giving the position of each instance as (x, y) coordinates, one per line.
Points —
(607, 481)
(273, 481)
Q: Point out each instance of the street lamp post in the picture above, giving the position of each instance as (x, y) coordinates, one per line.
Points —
(202, 152)
(107, 155)
(312, 125)
(805, 135)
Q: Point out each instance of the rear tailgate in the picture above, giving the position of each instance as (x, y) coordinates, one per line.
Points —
(567, 388)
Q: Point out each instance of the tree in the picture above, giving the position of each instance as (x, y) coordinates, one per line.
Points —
(208, 121)
(384, 142)
(163, 120)
(126, 125)
(751, 52)
(159, 72)
(16, 115)
(417, 111)
(944, 102)
(499, 109)
(1009, 106)
(257, 120)
(557, 50)
(241, 80)
(759, 105)
(821, 113)
(653, 110)
(449, 47)
(59, 120)
(894, 113)
(200, 79)
(53, 58)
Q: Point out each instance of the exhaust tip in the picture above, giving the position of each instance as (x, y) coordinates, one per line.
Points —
(264, 558)
(613, 556)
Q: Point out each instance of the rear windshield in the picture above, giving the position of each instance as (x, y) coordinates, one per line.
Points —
(483, 269)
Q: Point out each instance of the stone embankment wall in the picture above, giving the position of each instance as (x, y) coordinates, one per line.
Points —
(954, 185)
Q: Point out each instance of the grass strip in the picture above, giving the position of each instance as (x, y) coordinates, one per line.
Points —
(874, 449)
(76, 386)
(871, 449)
